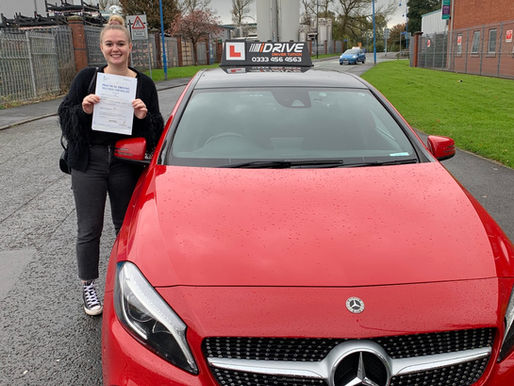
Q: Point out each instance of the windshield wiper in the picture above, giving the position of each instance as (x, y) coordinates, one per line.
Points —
(285, 164)
(383, 162)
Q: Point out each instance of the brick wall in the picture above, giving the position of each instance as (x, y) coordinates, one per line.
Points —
(470, 13)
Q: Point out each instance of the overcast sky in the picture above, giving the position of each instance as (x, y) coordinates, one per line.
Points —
(223, 8)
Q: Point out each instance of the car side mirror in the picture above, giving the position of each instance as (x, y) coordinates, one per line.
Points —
(131, 150)
(441, 147)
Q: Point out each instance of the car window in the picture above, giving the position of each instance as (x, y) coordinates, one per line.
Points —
(219, 125)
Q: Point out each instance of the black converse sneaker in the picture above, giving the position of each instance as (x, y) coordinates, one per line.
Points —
(92, 305)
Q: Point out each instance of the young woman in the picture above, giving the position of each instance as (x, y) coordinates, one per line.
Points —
(94, 171)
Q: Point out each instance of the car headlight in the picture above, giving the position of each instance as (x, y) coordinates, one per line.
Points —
(150, 319)
(508, 337)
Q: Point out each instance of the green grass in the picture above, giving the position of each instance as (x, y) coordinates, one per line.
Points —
(476, 111)
(178, 72)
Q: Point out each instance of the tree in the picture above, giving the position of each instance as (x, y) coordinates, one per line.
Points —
(151, 9)
(187, 6)
(105, 4)
(240, 10)
(395, 34)
(354, 21)
(321, 7)
(194, 26)
(416, 8)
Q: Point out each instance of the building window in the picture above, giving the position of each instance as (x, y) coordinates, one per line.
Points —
(459, 44)
(476, 42)
(491, 45)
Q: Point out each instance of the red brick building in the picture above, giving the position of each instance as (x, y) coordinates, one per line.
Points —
(481, 32)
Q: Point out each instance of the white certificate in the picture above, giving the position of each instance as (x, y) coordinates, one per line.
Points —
(114, 113)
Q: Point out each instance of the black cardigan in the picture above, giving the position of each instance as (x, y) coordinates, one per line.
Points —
(76, 124)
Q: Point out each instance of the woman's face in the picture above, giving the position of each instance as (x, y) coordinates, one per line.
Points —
(115, 47)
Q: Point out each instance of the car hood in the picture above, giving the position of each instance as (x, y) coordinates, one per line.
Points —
(317, 227)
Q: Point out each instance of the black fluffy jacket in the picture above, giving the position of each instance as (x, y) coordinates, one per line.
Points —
(76, 124)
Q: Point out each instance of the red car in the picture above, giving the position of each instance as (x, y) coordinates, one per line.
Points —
(292, 229)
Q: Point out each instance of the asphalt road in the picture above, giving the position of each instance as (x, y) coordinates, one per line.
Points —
(45, 336)
(45, 339)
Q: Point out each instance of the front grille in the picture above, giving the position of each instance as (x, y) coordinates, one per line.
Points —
(240, 378)
(463, 374)
(316, 349)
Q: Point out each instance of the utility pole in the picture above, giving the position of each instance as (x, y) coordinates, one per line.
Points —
(164, 63)
(374, 35)
(317, 28)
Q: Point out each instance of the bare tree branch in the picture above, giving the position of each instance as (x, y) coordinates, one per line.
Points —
(240, 10)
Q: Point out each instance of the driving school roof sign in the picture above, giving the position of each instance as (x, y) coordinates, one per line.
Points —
(238, 53)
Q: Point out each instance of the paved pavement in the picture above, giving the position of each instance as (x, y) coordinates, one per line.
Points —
(32, 112)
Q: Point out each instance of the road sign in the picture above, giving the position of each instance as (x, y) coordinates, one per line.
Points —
(508, 36)
(386, 33)
(445, 12)
(137, 27)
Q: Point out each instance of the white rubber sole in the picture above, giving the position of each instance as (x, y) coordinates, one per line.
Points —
(94, 311)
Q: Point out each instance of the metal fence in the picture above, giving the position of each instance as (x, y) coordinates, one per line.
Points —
(482, 50)
(433, 51)
(34, 63)
(92, 38)
(171, 51)
(40, 62)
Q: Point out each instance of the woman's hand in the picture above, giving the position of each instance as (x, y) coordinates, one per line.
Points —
(88, 102)
(140, 109)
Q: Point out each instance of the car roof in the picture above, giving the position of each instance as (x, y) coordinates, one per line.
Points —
(218, 78)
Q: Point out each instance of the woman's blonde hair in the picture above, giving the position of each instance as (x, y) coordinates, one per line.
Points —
(109, 27)
(116, 19)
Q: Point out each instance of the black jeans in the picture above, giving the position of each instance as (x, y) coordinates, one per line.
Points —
(105, 174)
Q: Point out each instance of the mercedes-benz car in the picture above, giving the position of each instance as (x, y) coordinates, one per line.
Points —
(292, 229)
(352, 56)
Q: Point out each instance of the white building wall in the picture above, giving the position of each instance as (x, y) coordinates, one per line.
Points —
(433, 23)
(264, 11)
(325, 30)
(289, 20)
(25, 7)
(278, 20)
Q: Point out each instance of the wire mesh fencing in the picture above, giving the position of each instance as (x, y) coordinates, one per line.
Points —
(34, 63)
(481, 50)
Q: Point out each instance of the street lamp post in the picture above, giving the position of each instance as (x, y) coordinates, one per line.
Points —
(374, 35)
(317, 28)
(164, 63)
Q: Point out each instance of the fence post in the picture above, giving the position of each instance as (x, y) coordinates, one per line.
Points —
(179, 49)
(79, 42)
(31, 64)
(158, 50)
(482, 38)
(417, 35)
(500, 49)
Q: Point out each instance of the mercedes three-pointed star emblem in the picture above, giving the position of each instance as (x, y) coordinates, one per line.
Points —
(355, 305)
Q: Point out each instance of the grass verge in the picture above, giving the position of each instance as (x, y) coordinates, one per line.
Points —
(476, 111)
(178, 72)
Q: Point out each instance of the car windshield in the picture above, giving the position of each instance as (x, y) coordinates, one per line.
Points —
(223, 127)
(352, 51)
